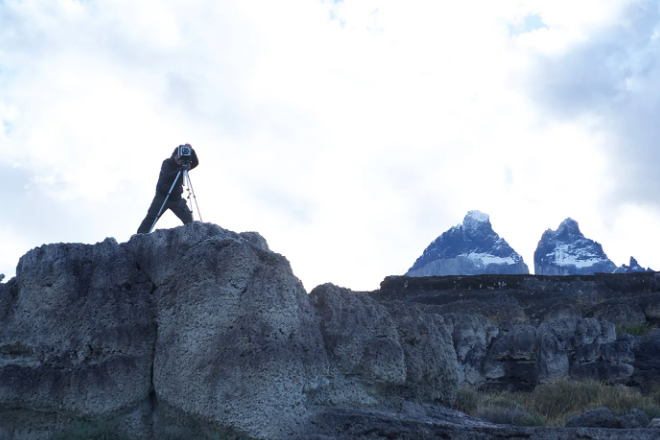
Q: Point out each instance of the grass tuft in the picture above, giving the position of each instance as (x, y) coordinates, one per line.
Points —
(554, 404)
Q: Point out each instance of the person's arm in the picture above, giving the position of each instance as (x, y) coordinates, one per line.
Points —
(168, 171)
(195, 161)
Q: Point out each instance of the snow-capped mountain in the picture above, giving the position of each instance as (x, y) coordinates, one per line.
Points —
(633, 267)
(468, 249)
(567, 251)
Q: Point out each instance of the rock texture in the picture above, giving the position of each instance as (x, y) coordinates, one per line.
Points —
(467, 249)
(200, 332)
(195, 325)
(602, 417)
(382, 356)
(516, 331)
(567, 251)
(77, 336)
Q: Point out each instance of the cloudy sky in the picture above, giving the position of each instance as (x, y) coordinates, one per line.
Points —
(350, 134)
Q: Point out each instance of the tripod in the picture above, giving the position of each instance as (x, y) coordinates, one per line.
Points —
(191, 192)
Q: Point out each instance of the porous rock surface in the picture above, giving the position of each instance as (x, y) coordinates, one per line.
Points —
(537, 329)
(602, 417)
(195, 331)
(194, 326)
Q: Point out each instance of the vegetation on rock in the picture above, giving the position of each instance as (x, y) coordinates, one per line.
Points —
(554, 404)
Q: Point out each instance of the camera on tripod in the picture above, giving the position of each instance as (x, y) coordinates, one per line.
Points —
(185, 153)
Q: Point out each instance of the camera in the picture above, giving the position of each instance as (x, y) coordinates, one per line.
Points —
(185, 152)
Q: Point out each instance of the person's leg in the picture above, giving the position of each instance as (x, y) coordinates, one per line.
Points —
(181, 210)
(152, 212)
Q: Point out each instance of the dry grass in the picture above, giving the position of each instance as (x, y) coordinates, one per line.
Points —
(554, 404)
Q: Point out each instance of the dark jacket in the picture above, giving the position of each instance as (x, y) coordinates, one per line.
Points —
(168, 172)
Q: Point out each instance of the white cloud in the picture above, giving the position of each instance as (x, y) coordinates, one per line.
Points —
(349, 134)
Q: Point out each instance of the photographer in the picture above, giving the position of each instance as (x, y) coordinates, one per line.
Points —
(178, 205)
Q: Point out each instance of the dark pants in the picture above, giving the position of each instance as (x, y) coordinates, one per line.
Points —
(178, 206)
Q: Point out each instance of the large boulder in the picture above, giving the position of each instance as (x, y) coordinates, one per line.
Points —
(237, 341)
(190, 327)
(77, 338)
(363, 346)
(646, 350)
(382, 355)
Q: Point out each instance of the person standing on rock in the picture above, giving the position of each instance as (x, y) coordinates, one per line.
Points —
(168, 172)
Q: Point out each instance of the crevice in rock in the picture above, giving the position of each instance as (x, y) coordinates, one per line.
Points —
(152, 397)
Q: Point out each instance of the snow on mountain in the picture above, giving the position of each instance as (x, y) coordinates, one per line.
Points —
(468, 249)
(633, 267)
(567, 251)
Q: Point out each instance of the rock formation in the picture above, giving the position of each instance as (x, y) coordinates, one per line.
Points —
(521, 330)
(602, 417)
(468, 249)
(194, 324)
(566, 251)
(634, 266)
(197, 331)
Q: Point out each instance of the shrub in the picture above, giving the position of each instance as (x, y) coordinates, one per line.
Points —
(467, 400)
(554, 404)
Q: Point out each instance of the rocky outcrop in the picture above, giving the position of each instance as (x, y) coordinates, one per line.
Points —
(646, 350)
(518, 299)
(602, 417)
(77, 336)
(468, 249)
(567, 251)
(518, 331)
(198, 331)
(195, 326)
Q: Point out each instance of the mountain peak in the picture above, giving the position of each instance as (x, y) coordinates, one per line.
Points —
(568, 225)
(469, 248)
(567, 251)
(475, 219)
(633, 267)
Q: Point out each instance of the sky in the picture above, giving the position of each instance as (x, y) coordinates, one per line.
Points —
(350, 134)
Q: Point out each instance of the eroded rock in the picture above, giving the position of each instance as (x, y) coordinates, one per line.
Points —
(77, 335)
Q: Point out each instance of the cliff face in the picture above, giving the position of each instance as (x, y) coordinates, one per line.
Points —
(542, 328)
(188, 332)
(195, 323)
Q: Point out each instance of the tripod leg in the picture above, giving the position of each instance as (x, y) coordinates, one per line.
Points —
(165, 202)
(186, 175)
(186, 182)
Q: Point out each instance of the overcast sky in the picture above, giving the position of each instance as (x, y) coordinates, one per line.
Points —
(349, 134)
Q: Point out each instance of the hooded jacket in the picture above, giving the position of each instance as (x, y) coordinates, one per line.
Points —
(168, 172)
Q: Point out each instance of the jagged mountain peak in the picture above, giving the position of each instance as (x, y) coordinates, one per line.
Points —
(569, 225)
(634, 266)
(567, 251)
(469, 248)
